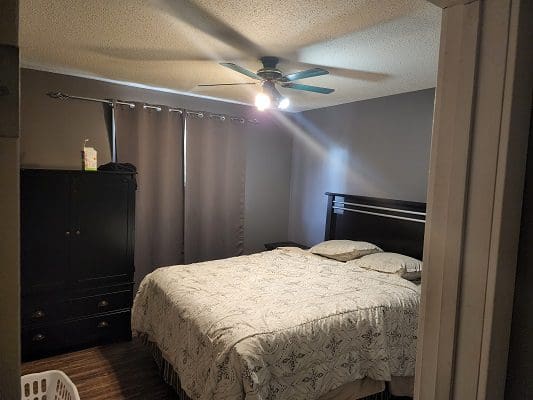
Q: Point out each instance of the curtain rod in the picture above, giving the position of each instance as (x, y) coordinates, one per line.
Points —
(198, 114)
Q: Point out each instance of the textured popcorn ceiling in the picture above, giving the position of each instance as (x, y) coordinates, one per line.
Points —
(373, 47)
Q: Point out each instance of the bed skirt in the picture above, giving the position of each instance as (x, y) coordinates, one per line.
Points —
(170, 376)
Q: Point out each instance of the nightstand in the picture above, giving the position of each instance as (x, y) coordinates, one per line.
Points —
(275, 245)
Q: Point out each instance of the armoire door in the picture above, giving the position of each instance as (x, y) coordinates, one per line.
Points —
(102, 228)
(45, 230)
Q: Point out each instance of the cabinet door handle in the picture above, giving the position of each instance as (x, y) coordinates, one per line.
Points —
(38, 314)
(102, 324)
(103, 303)
(38, 338)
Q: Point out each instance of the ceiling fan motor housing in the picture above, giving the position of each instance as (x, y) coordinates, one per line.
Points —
(269, 62)
(269, 71)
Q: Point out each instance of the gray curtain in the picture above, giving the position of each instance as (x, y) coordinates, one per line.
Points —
(214, 188)
(153, 141)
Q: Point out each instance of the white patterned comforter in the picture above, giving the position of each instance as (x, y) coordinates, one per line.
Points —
(283, 324)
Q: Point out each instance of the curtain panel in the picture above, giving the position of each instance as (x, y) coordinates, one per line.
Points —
(215, 170)
(153, 141)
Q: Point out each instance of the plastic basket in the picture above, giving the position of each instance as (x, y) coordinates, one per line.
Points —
(48, 385)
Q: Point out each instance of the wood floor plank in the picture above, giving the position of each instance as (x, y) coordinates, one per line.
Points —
(121, 371)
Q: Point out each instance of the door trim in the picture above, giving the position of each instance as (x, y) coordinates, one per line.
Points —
(478, 153)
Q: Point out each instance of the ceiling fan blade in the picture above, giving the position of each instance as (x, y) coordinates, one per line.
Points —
(307, 88)
(230, 84)
(295, 60)
(241, 70)
(357, 74)
(305, 74)
(146, 54)
(197, 17)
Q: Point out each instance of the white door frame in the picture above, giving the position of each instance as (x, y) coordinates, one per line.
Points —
(478, 158)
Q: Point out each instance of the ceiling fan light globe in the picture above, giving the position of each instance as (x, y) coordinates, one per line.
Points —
(284, 103)
(262, 101)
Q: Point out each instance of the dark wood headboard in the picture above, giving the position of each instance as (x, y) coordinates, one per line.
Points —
(394, 225)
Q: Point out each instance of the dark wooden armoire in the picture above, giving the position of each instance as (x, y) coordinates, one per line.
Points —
(77, 239)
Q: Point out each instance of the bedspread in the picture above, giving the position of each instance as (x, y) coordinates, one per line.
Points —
(282, 324)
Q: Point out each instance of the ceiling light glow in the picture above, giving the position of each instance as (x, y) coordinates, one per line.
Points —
(262, 101)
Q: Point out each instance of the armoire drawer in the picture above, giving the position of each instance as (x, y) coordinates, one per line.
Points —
(101, 303)
(99, 329)
(42, 341)
(41, 310)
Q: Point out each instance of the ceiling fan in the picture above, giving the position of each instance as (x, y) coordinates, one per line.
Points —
(269, 76)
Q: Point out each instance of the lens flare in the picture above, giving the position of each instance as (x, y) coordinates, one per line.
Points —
(284, 103)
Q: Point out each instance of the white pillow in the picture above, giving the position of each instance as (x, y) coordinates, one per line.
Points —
(344, 250)
(392, 263)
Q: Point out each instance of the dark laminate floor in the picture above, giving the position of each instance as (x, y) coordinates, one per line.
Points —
(118, 371)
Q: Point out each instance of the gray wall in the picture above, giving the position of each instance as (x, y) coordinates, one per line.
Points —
(53, 132)
(377, 147)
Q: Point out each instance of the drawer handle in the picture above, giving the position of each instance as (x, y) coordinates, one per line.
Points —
(102, 324)
(38, 338)
(103, 303)
(38, 314)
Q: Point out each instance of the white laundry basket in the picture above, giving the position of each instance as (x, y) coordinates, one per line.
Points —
(48, 385)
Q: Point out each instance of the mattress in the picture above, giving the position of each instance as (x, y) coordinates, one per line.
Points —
(283, 324)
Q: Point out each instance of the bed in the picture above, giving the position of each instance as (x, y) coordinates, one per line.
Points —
(288, 324)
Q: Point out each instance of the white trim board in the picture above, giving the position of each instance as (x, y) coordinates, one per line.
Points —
(481, 128)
